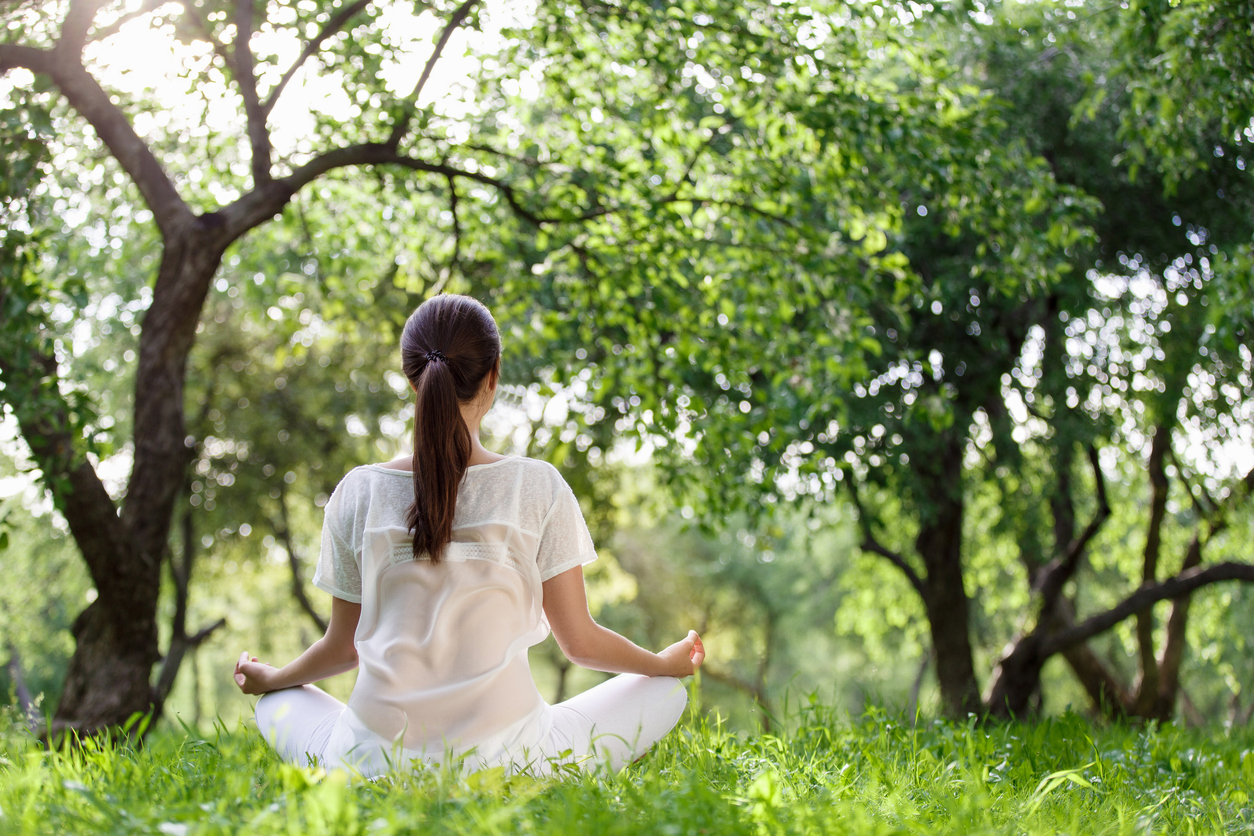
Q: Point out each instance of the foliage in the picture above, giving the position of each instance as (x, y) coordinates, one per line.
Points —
(1034, 289)
(1193, 95)
(824, 776)
(784, 248)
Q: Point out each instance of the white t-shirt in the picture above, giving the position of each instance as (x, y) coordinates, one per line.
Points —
(442, 648)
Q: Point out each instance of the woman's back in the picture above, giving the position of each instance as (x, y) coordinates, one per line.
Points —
(442, 647)
(441, 577)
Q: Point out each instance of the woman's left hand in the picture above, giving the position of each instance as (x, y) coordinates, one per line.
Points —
(251, 676)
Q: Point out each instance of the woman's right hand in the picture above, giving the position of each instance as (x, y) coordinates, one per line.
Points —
(251, 676)
(683, 657)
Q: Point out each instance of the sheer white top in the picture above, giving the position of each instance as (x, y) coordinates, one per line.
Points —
(442, 648)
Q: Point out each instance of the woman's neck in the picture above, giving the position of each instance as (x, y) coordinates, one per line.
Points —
(478, 453)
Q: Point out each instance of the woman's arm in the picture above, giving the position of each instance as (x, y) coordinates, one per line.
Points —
(333, 653)
(590, 645)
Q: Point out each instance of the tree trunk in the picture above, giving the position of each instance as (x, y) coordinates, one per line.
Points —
(1016, 679)
(939, 544)
(109, 675)
(1147, 686)
(115, 647)
(563, 669)
(1110, 696)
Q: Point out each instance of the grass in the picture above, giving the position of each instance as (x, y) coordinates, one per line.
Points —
(827, 775)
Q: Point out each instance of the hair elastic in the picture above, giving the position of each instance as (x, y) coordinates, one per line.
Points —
(436, 354)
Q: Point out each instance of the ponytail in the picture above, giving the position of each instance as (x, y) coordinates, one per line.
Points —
(448, 347)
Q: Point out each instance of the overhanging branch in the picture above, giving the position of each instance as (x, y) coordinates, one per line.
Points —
(870, 544)
(13, 56)
(86, 96)
(402, 126)
(74, 28)
(43, 417)
(268, 199)
(1148, 595)
(334, 25)
(1062, 568)
(246, 78)
(260, 204)
(113, 28)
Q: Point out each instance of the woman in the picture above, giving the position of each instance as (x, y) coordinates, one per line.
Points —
(444, 570)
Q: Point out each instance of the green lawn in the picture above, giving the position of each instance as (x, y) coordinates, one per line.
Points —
(827, 775)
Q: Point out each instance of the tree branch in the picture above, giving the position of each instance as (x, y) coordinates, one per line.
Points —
(13, 56)
(1176, 641)
(1109, 695)
(457, 224)
(1148, 595)
(43, 417)
(246, 78)
(1202, 500)
(260, 204)
(74, 29)
(113, 28)
(180, 642)
(198, 638)
(334, 25)
(1061, 569)
(402, 127)
(284, 532)
(870, 544)
(91, 101)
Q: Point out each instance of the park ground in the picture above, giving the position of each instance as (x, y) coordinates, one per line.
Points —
(826, 774)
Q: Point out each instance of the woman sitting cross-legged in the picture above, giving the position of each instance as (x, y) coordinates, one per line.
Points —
(444, 571)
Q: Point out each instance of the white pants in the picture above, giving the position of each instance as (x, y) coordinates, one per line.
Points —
(613, 723)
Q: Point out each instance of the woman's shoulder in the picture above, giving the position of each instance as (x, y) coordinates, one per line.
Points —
(536, 481)
(536, 470)
(361, 480)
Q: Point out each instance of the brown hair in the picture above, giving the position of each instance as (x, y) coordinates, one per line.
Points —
(449, 345)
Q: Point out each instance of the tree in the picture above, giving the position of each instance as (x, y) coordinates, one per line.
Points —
(1020, 201)
(682, 153)
(116, 635)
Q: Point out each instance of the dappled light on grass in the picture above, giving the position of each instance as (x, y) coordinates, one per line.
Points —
(875, 775)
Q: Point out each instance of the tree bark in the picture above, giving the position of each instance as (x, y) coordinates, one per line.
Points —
(116, 645)
(1147, 685)
(1163, 707)
(108, 678)
(939, 544)
(563, 670)
(1109, 695)
(283, 530)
